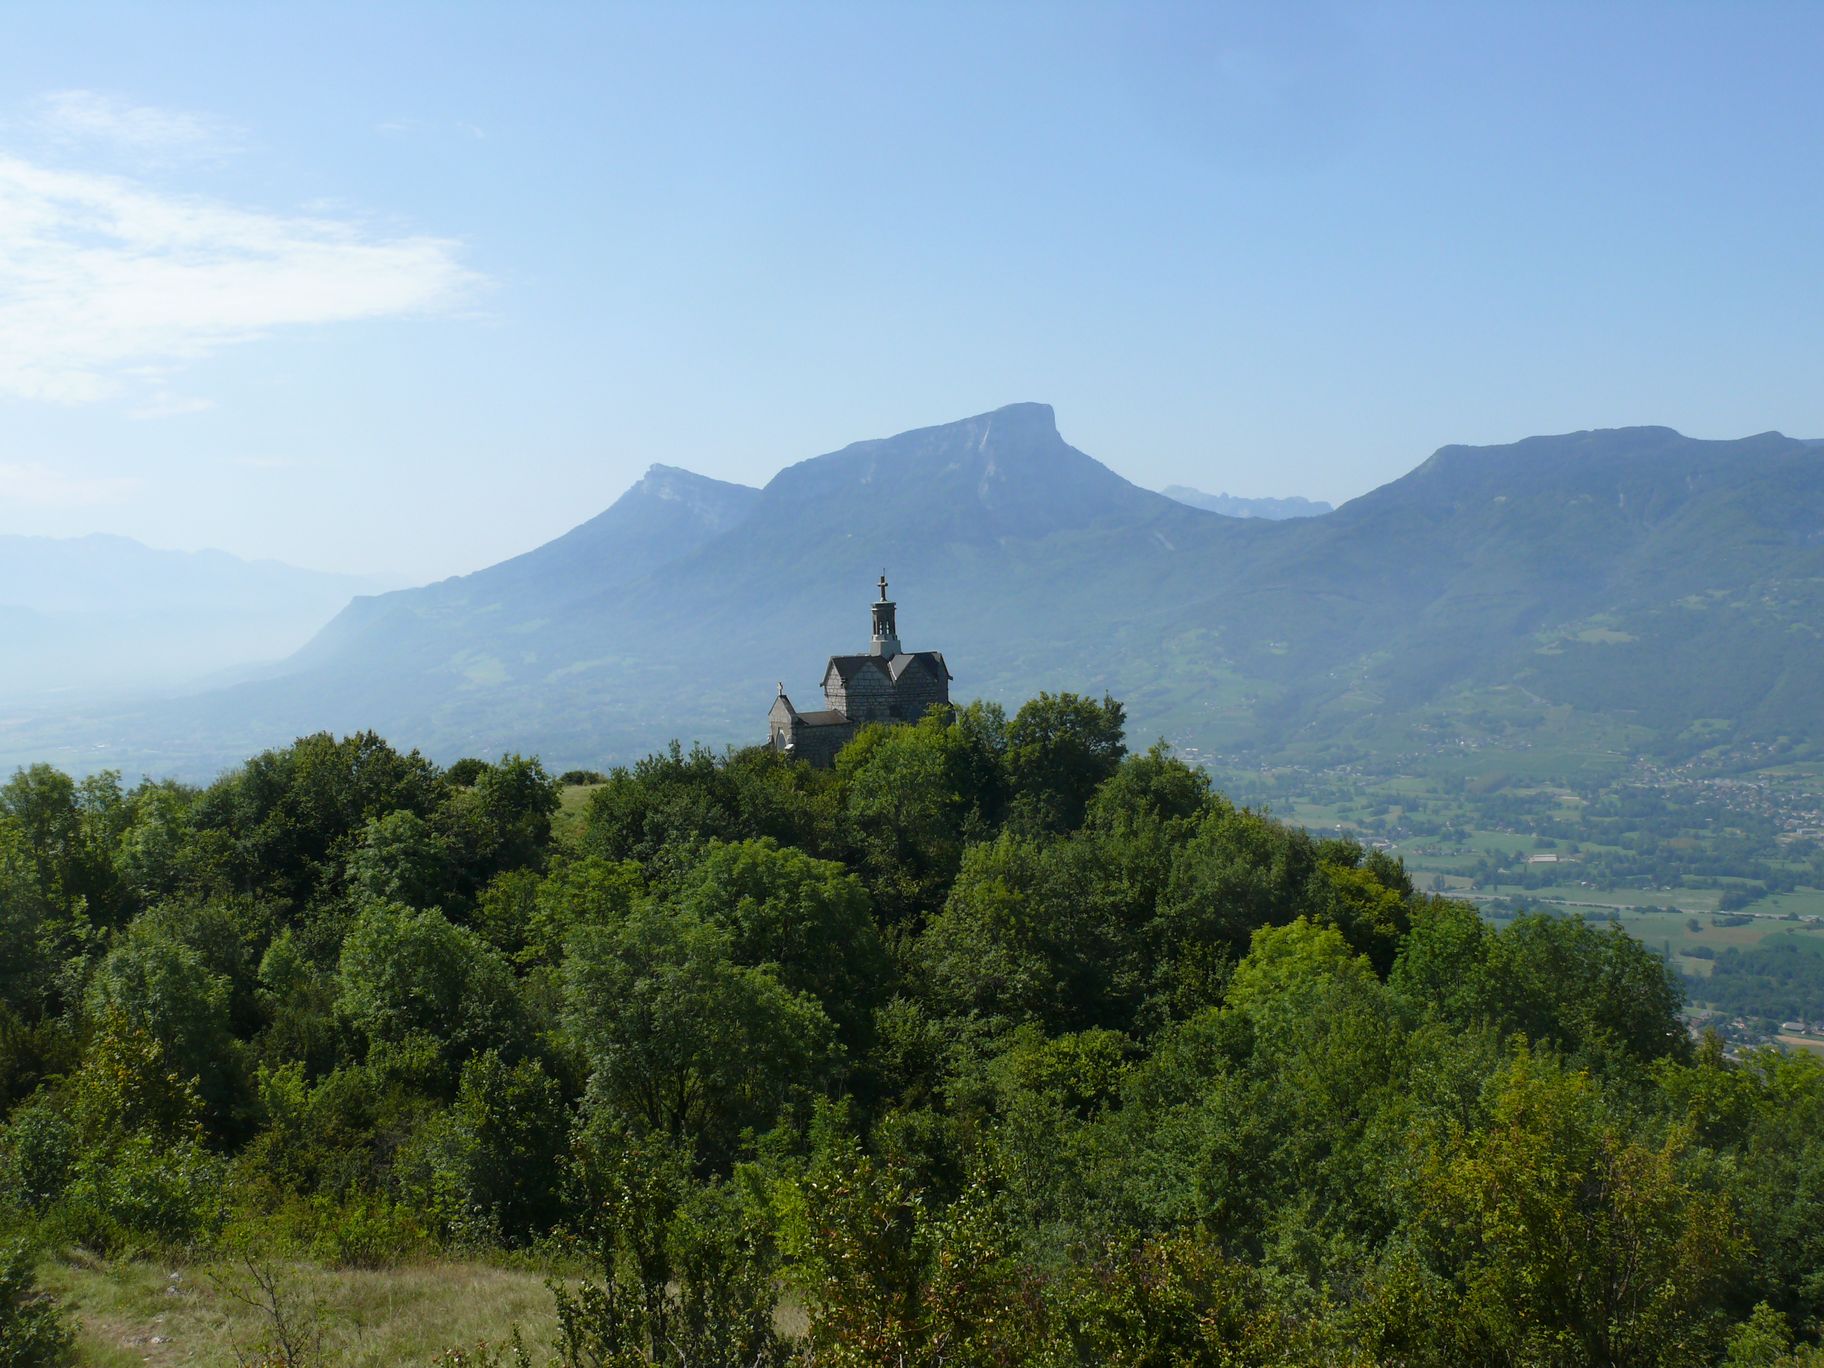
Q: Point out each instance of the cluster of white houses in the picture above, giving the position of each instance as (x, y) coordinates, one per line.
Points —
(884, 685)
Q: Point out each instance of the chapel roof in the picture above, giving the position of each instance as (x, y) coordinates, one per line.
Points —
(931, 660)
(848, 666)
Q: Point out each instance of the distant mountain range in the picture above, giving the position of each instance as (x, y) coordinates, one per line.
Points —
(101, 616)
(1234, 506)
(1626, 589)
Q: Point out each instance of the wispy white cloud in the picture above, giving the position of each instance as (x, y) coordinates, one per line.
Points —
(41, 487)
(107, 282)
(403, 127)
(147, 131)
(165, 404)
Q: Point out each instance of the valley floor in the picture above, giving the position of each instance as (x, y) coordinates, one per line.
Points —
(1694, 860)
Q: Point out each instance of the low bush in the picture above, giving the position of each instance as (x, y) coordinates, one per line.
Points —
(33, 1332)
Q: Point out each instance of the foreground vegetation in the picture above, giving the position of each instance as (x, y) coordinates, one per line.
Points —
(995, 1045)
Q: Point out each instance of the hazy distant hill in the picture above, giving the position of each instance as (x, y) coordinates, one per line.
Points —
(103, 615)
(1629, 587)
(1234, 506)
(668, 514)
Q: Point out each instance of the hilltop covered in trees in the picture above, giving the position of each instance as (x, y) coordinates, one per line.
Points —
(995, 1044)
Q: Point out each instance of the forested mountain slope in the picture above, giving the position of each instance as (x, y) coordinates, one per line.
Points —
(1629, 583)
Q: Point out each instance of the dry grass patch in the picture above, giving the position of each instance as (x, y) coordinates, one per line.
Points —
(139, 1312)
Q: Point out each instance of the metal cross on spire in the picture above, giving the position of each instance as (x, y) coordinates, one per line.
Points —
(883, 586)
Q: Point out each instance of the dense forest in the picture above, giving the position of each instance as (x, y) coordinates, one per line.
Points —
(995, 1044)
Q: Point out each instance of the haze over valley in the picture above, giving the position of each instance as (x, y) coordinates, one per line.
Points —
(106, 618)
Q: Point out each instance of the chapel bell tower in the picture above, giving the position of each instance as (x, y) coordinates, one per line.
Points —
(886, 633)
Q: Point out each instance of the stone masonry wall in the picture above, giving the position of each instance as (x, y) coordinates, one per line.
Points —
(869, 697)
(919, 688)
(819, 745)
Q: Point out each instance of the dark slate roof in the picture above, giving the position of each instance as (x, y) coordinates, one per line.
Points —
(822, 719)
(931, 660)
(849, 665)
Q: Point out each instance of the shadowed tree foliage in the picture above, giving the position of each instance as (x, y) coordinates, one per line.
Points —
(682, 1039)
(1060, 747)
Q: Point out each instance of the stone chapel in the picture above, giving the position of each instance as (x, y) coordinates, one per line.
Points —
(884, 685)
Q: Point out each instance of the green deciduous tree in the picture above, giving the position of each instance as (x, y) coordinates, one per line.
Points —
(662, 811)
(585, 891)
(1028, 934)
(806, 919)
(411, 981)
(1556, 1236)
(291, 815)
(683, 1040)
(1060, 747)
(489, 1167)
(163, 988)
(1599, 994)
(913, 796)
(401, 858)
(503, 819)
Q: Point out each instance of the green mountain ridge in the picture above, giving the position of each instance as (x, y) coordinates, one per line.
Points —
(1629, 583)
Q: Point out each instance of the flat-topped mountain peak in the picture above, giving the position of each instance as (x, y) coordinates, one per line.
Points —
(1007, 472)
(1037, 567)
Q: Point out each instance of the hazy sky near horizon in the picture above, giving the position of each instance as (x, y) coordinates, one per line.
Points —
(411, 288)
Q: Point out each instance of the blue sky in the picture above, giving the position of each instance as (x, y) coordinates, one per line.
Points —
(412, 288)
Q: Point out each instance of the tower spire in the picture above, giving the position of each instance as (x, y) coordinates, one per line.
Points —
(886, 631)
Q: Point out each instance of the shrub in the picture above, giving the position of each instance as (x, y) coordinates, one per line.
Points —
(366, 1232)
(37, 1156)
(33, 1331)
(487, 1168)
(144, 1191)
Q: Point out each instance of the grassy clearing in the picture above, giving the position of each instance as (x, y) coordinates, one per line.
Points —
(573, 805)
(139, 1312)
